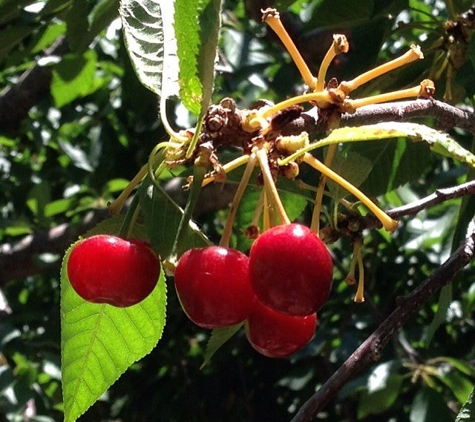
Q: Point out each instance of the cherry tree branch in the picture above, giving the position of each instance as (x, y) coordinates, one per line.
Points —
(439, 196)
(370, 350)
(32, 86)
(446, 116)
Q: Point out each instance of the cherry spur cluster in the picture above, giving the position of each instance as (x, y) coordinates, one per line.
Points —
(272, 138)
(287, 277)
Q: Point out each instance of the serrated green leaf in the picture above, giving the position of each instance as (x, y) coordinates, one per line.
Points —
(150, 40)
(187, 31)
(467, 412)
(210, 24)
(353, 167)
(218, 338)
(197, 25)
(99, 342)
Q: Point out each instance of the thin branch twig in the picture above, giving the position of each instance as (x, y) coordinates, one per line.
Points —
(439, 196)
(372, 347)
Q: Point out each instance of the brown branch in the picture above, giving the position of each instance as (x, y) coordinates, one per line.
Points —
(33, 85)
(372, 347)
(439, 196)
(446, 116)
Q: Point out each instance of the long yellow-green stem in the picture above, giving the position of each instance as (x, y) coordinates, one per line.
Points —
(166, 125)
(116, 206)
(130, 218)
(266, 225)
(270, 187)
(322, 97)
(358, 246)
(350, 278)
(317, 209)
(414, 53)
(228, 228)
(272, 18)
(384, 98)
(388, 223)
(232, 165)
(258, 210)
(339, 45)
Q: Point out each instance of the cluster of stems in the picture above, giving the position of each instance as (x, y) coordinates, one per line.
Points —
(334, 96)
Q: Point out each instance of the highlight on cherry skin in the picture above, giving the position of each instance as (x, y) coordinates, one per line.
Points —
(277, 335)
(107, 269)
(213, 287)
(290, 269)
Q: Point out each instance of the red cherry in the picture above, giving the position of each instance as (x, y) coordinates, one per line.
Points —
(278, 335)
(109, 269)
(290, 269)
(213, 286)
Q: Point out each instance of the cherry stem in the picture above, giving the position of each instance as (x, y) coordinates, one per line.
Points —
(388, 223)
(272, 18)
(322, 97)
(130, 218)
(413, 54)
(258, 210)
(228, 228)
(115, 207)
(339, 45)
(350, 279)
(317, 209)
(199, 172)
(166, 125)
(384, 98)
(270, 187)
(357, 251)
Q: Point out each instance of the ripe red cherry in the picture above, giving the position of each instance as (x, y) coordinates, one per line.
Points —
(290, 269)
(112, 270)
(213, 286)
(278, 335)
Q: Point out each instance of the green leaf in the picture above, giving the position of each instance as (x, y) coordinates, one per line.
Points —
(429, 406)
(353, 167)
(75, 77)
(187, 31)
(103, 13)
(12, 36)
(10, 9)
(210, 24)
(197, 25)
(162, 219)
(150, 40)
(76, 19)
(382, 390)
(457, 383)
(217, 339)
(99, 342)
(330, 13)
(373, 403)
(467, 412)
